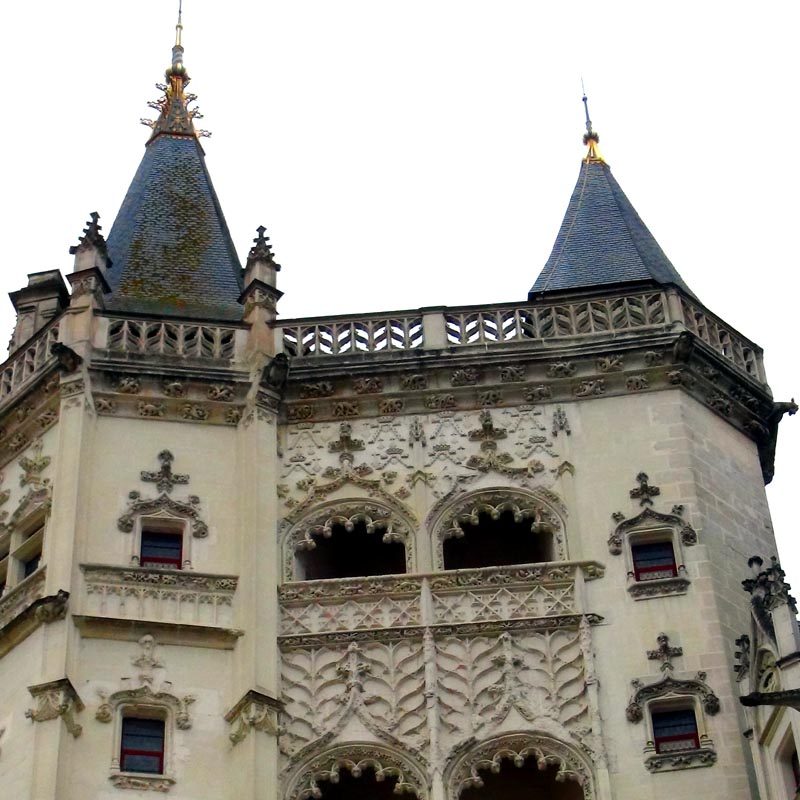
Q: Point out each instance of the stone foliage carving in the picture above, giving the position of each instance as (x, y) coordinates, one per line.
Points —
(382, 684)
(165, 479)
(56, 699)
(661, 762)
(142, 783)
(539, 675)
(515, 749)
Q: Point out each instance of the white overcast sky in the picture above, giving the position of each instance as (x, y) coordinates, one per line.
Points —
(415, 153)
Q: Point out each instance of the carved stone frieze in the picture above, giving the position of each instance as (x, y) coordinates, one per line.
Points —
(561, 369)
(254, 711)
(438, 402)
(512, 373)
(538, 394)
(589, 388)
(663, 762)
(468, 376)
(390, 406)
(300, 412)
(126, 384)
(140, 782)
(610, 363)
(636, 383)
(346, 408)
(414, 382)
(194, 412)
(149, 409)
(56, 699)
(490, 397)
(221, 392)
(319, 389)
(172, 387)
(372, 385)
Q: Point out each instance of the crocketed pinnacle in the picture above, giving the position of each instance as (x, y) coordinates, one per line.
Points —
(91, 236)
(262, 249)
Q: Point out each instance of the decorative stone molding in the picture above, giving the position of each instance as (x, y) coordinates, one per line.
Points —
(704, 756)
(166, 507)
(254, 711)
(141, 782)
(668, 686)
(56, 699)
(465, 768)
(356, 758)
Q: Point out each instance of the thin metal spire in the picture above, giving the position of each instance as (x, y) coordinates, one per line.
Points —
(179, 26)
(590, 138)
(589, 130)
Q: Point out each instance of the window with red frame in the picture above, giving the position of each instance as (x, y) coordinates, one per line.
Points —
(142, 745)
(653, 560)
(674, 731)
(161, 549)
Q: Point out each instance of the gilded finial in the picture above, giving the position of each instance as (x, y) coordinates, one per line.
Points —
(175, 116)
(590, 138)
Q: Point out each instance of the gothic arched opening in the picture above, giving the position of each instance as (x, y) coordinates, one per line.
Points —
(527, 782)
(498, 542)
(364, 787)
(355, 553)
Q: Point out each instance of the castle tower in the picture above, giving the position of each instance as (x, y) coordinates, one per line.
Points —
(459, 553)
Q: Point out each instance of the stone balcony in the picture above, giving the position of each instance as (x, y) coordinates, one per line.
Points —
(197, 602)
(532, 595)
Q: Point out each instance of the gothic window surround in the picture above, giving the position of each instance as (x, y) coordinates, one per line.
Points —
(350, 538)
(144, 721)
(653, 548)
(674, 711)
(498, 527)
(21, 550)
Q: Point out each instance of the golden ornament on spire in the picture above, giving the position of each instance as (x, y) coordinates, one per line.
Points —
(175, 117)
(590, 138)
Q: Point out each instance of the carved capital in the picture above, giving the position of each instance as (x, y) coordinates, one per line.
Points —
(254, 711)
(56, 699)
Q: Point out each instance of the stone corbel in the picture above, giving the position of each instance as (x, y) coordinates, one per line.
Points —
(56, 699)
(256, 711)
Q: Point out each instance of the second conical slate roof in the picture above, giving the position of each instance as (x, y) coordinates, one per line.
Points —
(602, 239)
(170, 249)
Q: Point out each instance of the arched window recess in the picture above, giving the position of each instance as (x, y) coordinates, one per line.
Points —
(351, 538)
(498, 528)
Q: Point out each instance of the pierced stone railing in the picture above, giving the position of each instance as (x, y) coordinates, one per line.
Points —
(489, 594)
(488, 326)
(155, 337)
(369, 334)
(724, 340)
(16, 600)
(27, 363)
(159, 595)
(438, 328)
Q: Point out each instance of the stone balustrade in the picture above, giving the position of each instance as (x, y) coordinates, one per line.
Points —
(537, 321)
(20, 597)
(158, 595)
(459, 597)
(26, 364)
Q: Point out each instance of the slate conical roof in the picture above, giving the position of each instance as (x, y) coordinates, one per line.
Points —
(170, 249)
(602, 239)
